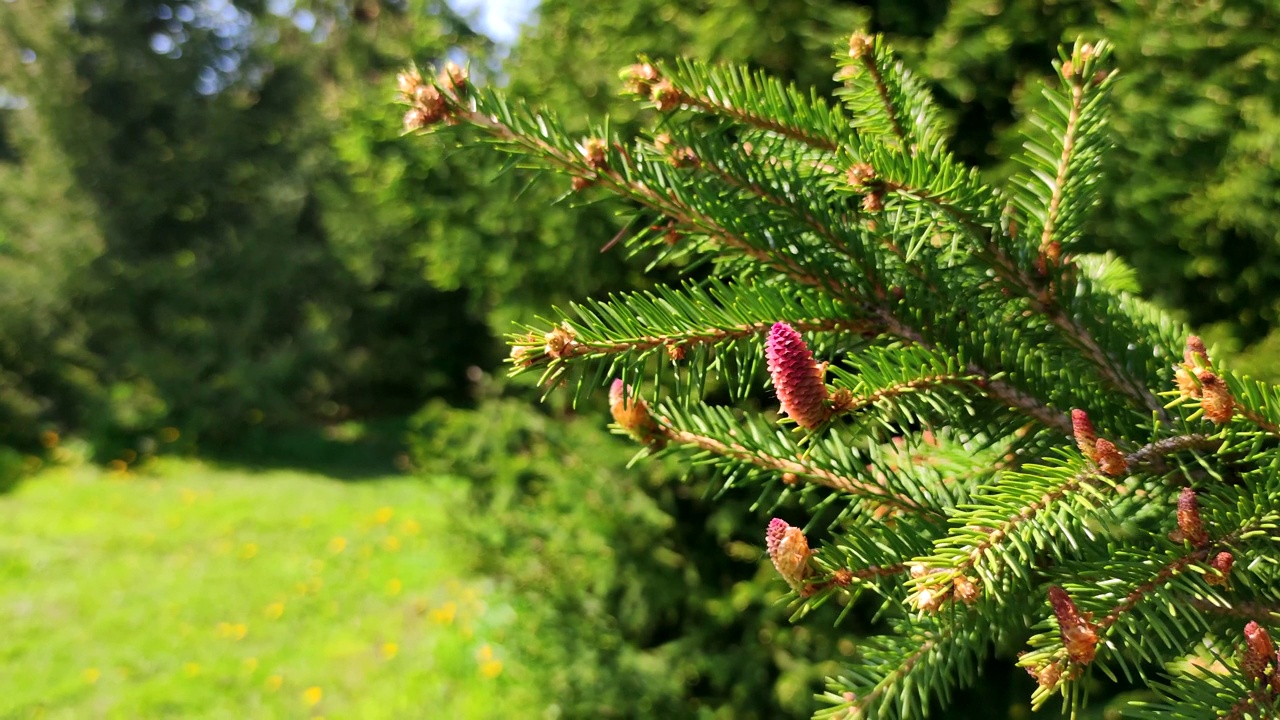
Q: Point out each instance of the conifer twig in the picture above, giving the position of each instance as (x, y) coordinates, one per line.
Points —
(796, 466)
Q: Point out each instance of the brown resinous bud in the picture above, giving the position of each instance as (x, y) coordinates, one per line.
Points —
(638, 79)
(860, 174)
(681, 157)
(1222, 564)
(407, 82)
(666, 96)
(1109, 459)
(966, 590)
(1259, 661)
(596, 152)
(1194, 357)
(796, 377)
(1086, 437)
(789, 550)
(1215, 398)
(454, 78)
(1190, 526)
(560, 340)
(1078, 635)
(632, 414)
(860, 44)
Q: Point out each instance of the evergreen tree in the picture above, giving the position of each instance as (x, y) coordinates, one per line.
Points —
(1002, 445)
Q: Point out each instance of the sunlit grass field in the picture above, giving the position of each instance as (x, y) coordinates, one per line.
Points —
(194, 591)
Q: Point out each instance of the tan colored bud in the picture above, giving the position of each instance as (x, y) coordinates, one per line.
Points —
(1190, 526)
(408, 81)
(632, 414)
(966, 590)
(859, 174)
(559, 341)
(596, 152)
(1221, 565)
(1049, 675)
(453, 77)
(930, 599)
(666, 96)
(1078, 634)
(789, 550)
(873, 202)
(415, 119)
(860, 44)
(1188, 386)
(1259, 661)
(842, 400)
(1195, 354)
(1110, 460)
(1215, 398)
(638, 79)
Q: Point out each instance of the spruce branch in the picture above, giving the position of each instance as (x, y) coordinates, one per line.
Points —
(747, 98)
(1005, 531)
(928, 333)
(752, 449)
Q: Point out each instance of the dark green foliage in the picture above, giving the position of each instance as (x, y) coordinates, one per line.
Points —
(1187, 199)
(186, 248)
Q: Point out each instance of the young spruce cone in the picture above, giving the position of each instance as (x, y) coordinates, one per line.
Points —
(796, 377)
(1078, 635)
(789, 550)
(1259, 661)
(632, 414)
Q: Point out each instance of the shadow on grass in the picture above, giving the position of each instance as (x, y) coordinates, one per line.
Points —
(353, 451)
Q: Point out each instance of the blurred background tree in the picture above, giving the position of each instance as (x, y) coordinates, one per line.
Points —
(209, 222)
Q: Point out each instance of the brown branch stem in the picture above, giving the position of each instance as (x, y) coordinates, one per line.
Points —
(796, 467)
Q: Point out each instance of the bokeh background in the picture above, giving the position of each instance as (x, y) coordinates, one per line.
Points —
(258, 454)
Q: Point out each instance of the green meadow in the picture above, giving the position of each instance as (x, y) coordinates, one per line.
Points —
(191, 590)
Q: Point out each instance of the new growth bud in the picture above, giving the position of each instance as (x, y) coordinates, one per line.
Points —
(666, 96)
(1085, 434)
(1259, 661)
(1194, 357)
(427, 105)
(860, 44)
(1078, 635)
(1215, 398)
(1222, 564)
(560, 341)
(596, 152)
(632, 414)
(1190, 526)
(1109, 459)
(789, 550)
(796, 377)
(1195, 354)
(453, 78)
(638, 79)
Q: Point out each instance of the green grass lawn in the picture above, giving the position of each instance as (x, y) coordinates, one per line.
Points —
(193, 591)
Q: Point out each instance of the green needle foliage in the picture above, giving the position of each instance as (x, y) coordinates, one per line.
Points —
(1002, 445)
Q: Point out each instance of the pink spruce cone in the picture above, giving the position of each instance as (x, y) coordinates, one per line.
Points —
(1189, 523)
(796, 377)
(789, 550)
(1259, 658)
(1078, 634)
